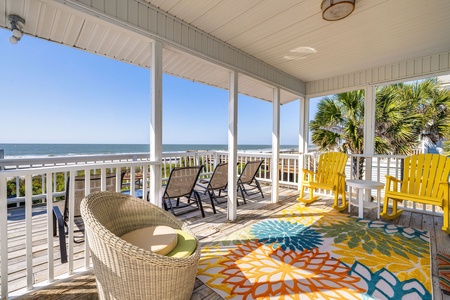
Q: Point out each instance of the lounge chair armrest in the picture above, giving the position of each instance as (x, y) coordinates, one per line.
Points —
(58, 218)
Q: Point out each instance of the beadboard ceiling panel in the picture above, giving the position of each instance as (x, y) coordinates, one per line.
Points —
(379, 34)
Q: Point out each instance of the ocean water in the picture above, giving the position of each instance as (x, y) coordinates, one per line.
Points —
(48, 150)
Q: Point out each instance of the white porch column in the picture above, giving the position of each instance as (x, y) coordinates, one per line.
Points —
(369, 131)
(232, 146)
(156, 124)
(303, 136)
(275, 143)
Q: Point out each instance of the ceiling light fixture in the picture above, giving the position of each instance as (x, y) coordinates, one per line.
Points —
(300, 53)
(333, 10)
(17, 24)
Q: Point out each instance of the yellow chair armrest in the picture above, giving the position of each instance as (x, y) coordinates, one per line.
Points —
(444, 184)
(308, 172)
(389, 177)
(395, 181)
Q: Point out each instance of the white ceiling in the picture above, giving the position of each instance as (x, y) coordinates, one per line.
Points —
(378, 32)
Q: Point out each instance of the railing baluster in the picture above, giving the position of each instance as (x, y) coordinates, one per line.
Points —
(18, 187)
(144, 184)
(29, 230)
(132, 180)
(73, 173)
(118, 180)
(43, 185)
(87, 191)
(4, 236)
(49, 191)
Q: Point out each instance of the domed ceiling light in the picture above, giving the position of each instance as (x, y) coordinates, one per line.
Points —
(333, 10)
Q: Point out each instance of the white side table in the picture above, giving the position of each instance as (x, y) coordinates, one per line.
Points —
(363, 185)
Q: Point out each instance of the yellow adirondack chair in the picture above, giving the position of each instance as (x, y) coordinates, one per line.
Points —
(425, 180)
(329, 176)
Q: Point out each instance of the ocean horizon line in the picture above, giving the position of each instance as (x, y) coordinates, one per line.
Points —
(36, 150)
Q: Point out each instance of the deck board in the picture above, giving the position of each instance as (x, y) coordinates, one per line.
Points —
(207, 229)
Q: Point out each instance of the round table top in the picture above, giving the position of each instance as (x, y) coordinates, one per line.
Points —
(364, 184)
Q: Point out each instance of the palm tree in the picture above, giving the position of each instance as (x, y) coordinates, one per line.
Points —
(405, 115)
(395, 119)
(339, 125)
(433, 111)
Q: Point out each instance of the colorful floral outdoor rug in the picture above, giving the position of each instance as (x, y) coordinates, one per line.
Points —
(311, 253)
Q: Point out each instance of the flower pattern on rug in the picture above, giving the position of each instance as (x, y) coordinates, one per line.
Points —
(257, 272)
(333, 257)
(287, 235)
(384, 285)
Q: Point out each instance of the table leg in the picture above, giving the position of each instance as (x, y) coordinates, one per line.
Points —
(360, 201)
(378, 202)
(350, 200)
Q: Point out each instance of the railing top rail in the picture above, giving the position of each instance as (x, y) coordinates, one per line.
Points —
(92, 158)
(384, 156)
(70, 159)
(56, 169)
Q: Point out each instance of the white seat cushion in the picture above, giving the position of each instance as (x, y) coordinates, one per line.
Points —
(158, 239)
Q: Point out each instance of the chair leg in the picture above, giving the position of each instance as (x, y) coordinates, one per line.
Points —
(395, 213)
(446, 227)
(211, 198)
(311, 199)
(259, 188)
(169, 206)
(302, 193)
(340, 190)
(344, 205)
(446, 224)
(199, 201)
(242, 193)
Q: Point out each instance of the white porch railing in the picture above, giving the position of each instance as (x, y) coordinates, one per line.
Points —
(22, 171)
(48, 174)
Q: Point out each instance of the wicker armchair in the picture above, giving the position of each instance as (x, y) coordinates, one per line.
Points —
(124, 271)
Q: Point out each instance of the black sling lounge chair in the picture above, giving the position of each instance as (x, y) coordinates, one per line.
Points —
(60, 220)
(180, 185)
(247, 182)
(216, 184)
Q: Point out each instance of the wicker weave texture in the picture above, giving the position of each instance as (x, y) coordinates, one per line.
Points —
(124, 271)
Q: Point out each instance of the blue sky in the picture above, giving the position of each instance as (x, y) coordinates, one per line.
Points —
(55, 94)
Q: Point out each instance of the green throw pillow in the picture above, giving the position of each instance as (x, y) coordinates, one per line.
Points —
(185, 246)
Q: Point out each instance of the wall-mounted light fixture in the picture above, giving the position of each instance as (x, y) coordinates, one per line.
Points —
(17, 24)
(333, 10)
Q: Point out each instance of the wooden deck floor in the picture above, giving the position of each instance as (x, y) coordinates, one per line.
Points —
(207, 229)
